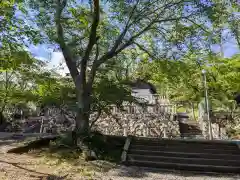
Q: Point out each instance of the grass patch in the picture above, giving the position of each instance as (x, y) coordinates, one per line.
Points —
(106, 147)
(71, 160)
(61, 153)
(62, 156)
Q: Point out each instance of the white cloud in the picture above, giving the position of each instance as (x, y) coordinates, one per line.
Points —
(57, 62)
(41, 58)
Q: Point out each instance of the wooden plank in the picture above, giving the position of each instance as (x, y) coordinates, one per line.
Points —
(125, 148)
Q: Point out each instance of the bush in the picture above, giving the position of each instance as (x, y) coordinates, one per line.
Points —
(106, 147)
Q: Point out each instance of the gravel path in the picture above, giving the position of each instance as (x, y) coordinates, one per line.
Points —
(136, 173)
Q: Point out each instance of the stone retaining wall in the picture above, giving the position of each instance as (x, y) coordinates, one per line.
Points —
(152, 121)
(147, 125)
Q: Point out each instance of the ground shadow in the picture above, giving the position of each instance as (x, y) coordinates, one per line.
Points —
(102, 166)
(11, 138)
(6, 142)
(40, 175)
(73, 157)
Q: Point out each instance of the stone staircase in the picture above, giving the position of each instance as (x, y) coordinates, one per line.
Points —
(180, 154)
(188, 128)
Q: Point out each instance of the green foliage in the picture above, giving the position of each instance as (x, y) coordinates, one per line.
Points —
(106, 147)
(13, 82)
(182, 79)
(172, 40)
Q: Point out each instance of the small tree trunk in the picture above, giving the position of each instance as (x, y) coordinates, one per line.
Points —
(2, 118)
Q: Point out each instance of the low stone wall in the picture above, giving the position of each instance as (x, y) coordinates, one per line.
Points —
(151, 121)
(147, 125)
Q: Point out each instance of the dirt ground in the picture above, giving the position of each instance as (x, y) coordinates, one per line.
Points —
(45, 165)
(28, 167)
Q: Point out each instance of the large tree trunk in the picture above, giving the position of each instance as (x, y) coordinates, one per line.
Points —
(83, 112)
(82, 119)
(82, 128)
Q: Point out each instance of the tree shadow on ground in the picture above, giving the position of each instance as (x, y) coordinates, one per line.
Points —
(6, 142)
(36, 174)
(12, 138)
(137, 172)
(73, 157)
(102, 166)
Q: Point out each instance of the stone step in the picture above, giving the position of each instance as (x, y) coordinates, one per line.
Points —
(191, 134)
(185, 167)
(218, 143)
(193, 129)
(185, 149)
(184, 154)
(189, 127)
(181, 160)
(185, 143)
(190, 123)
(195, 136)
(190, 145)
(186, 126)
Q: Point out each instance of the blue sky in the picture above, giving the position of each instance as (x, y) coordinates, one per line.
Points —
(55, 58)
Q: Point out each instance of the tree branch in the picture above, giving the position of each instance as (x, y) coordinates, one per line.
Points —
(91, 43)
(164, 7)
(121, 36)
(97, 117)
(200, 26)
(115, 46)
(97, 52)
(131, 40)
(116, 120)
(145, 50)
(60, 35)
(111, 53)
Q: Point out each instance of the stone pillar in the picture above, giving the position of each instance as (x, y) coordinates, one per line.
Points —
(125, 130)
(164, 132)
(106, 130)
(215, 130)
(165, 128)
(223, 133)
(145, 130)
